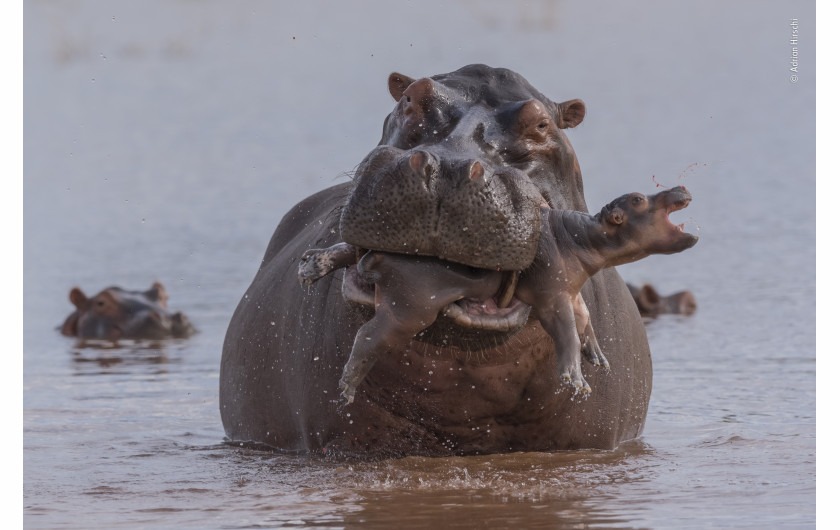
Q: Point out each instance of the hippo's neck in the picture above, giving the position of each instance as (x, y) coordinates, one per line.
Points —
(583, 238)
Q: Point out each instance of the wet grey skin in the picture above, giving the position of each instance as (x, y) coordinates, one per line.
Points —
(115, 313)
(410, 292)
(465, 161)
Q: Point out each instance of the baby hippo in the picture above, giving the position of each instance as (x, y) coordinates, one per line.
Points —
(116, 313)
(410, 291)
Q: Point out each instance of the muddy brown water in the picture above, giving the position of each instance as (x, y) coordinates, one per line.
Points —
(164, 141)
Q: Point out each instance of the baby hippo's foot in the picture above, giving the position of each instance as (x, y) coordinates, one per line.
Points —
(348, 390)
(314, 265)
(591, 351)
(571, 374)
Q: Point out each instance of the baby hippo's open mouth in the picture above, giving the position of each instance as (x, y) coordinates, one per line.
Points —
(675, 199)
(672, 238)
(467, 312)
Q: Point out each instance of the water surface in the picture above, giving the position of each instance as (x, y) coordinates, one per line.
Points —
(165, 140)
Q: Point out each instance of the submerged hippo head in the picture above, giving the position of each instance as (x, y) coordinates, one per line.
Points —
(465, 161)
(116, 313)
(652, 304)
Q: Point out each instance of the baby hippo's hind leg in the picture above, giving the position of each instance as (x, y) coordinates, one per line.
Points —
(318, 262)
(590, 348)
(558, 320)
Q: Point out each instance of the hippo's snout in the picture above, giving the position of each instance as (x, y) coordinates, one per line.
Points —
(674, 199)
(424, 166)
(432, 202)
(181, 326)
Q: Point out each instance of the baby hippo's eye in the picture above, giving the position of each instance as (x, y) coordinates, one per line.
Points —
(637, 200)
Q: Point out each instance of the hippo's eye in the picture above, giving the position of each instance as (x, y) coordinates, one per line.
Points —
(637, 200)
(100, 303)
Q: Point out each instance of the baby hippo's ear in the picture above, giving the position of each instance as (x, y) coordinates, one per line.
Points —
(616, 216)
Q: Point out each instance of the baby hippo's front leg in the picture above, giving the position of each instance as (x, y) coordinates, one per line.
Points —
(318, 262)
(390, 330)
(374, 339)
(590, 348)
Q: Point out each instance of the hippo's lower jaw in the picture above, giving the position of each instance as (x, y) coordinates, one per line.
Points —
(486, 314)
(466, 313)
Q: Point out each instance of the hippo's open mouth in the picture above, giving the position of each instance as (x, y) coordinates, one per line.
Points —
(467, 312)
(486, 314)
(677, 200)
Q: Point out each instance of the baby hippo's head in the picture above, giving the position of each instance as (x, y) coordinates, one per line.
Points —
(640, 223)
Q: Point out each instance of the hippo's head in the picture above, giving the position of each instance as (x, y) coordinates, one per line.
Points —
(639, 224)
(652, 304)
(116, 313)
(465, 161)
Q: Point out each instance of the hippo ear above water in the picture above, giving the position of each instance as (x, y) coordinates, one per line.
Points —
(78, 298)
(570, 113)
(397, 83)
(158, 294)
(648, 299)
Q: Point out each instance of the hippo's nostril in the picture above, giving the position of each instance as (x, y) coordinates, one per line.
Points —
(422, 164)
(476, 171)
(418, 161)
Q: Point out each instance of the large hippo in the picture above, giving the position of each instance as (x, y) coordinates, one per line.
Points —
(465, 162)
(116, 313)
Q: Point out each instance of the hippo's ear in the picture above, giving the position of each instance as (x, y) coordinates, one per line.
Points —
(158, 294)
(397, 83)
(648, 299)
(570, 113)
(78, 298)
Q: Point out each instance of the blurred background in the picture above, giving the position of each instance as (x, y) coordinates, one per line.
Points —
(164, 140)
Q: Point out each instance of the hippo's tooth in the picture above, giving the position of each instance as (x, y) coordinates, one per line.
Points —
(507, 288)
(681, 226)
